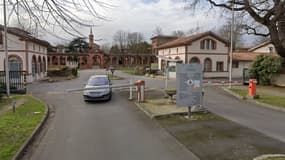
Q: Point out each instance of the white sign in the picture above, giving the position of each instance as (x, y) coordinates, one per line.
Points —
(189, 85)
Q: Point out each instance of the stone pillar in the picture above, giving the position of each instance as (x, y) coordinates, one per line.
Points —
(58, 60)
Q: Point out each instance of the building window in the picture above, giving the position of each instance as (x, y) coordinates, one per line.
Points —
(235, 64)
(220, 66)
(208, 44)
(207, 65)
(15, 63)
(202, 44)
(169, 51)
(270, 49)
(34, 47)
(194, 60)
(176, 50)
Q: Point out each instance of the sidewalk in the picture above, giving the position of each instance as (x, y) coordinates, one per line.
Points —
(157, 105)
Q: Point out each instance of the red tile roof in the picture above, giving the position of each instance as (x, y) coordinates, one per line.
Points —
(247, 56)
(24, 35)
(189, 39)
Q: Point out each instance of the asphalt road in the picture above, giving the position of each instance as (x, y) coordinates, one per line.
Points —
(106, 130)
(264, 120)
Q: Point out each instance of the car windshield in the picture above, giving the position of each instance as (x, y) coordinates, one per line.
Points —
(98, 81)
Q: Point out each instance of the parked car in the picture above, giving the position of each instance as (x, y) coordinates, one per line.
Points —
(104, 92)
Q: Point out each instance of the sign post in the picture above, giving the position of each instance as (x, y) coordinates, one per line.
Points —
(189, 86)
(166, 77)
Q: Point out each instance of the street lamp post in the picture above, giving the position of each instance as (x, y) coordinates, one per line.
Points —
(6, 51)
(231, 47)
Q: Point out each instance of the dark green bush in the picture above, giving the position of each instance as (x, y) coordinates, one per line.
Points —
(265, 67)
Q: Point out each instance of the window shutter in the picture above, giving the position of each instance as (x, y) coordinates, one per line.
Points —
(202, 44)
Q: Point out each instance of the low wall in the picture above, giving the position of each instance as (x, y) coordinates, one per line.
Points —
(215, 74)
(279, 80)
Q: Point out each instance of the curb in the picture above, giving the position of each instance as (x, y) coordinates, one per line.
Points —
(269, 156)
(155, 116)
(145, 111)
(268, 106)
(21, 152)
(233, 94)
(254, 101)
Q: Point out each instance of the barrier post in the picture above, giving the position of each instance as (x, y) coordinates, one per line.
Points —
(252, 88)
(138, 84)
(131, 89)
(142, 91)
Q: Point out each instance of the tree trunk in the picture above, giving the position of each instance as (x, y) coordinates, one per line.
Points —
(281, 33)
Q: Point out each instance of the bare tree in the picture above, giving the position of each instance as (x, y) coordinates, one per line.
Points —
(65, 15)
(134, 41)
(157, 31)
(33, 29)
(178, 33)
(225, 32)
(135, 38)
(121, 39)
(260, 14)
(106, 47)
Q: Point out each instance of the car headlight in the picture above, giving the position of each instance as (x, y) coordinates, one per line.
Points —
(86, 92)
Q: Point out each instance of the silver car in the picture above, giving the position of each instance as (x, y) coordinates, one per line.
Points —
(104, 91)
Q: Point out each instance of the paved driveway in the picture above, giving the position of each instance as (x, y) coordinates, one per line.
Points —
(108, 130)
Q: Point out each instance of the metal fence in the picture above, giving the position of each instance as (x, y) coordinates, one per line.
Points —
(17, 81)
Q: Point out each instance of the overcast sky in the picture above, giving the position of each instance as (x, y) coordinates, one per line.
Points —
(143, 16)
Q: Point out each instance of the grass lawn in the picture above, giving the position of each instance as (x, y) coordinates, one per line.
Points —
(16, 127)
(4, 101)
(264, 98)
(211, 137)
(240, 92)
(278, 158)
(114, 77)
(129, 70)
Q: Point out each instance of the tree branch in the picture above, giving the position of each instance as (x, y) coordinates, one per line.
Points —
(251, 30)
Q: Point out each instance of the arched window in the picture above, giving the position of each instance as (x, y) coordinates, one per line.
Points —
(34, 65)
(44, 64)
(40, 69)
(177, 58)
(208, 44)
(194, 60)
(207, 65)
(15, 63)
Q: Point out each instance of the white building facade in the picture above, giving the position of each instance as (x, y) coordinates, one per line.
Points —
(205, 48)
(242, 60)
(25, 53)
